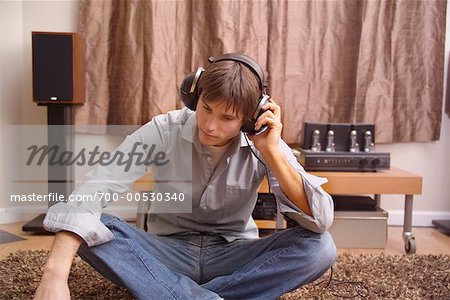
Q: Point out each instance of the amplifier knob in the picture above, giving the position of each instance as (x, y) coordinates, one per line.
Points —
(376, 162)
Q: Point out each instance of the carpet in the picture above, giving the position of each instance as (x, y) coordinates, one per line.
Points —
(357, 277)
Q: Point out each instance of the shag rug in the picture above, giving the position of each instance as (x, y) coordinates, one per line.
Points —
(357, 277)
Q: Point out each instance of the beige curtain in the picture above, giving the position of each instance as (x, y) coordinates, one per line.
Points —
(366, 61)
(447, 95)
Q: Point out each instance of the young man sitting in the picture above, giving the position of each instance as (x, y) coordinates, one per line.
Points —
(223, 142)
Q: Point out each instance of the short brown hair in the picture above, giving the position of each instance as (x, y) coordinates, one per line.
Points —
(234, 83)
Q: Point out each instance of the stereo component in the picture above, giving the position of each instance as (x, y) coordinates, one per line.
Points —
(343, 161)
(341, 147)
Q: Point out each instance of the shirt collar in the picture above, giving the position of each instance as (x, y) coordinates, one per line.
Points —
(244, 141)
(189, 129)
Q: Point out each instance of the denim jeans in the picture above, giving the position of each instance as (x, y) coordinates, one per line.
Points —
(204, 266)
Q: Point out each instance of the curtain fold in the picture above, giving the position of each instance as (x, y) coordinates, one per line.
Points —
(371, 61)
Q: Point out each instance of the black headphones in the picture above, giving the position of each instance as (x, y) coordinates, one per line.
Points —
(190, 93)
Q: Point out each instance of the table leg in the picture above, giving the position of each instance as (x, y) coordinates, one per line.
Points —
(408, 237)
(377, 198)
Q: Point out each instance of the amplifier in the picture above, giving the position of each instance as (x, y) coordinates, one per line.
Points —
(342, 161)
(265, 208)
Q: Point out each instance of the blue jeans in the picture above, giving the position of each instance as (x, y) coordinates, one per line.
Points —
(202, 266)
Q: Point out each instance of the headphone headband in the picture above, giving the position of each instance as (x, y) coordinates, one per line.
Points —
(248, 62)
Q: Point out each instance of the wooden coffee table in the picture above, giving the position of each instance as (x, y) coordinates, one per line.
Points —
(393, 181)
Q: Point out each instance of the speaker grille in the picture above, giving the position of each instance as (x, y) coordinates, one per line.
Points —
(53, 74)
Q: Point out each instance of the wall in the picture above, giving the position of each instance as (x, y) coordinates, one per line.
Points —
(19, 18)
(11, 82)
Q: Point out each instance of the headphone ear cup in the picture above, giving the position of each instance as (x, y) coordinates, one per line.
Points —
(189, 98)
(249, 126)
(189, 89)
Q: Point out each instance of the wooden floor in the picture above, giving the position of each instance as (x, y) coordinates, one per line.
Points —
(428, 240)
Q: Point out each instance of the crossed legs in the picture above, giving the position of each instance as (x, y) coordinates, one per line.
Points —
(209, 267)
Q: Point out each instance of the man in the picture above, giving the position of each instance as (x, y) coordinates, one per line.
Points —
(211, 251)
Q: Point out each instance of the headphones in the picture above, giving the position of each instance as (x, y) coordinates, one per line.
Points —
(190, 92)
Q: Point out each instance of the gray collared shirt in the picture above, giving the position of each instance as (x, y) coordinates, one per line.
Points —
(222, 196)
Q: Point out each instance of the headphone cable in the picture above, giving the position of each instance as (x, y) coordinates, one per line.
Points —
(265, 167)
(360, 288)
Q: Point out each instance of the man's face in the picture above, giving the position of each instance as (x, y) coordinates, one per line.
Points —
(216, 125)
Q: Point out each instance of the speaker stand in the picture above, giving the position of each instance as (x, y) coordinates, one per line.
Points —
(60, 178)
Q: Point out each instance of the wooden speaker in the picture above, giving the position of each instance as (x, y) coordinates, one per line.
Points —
(58, 68)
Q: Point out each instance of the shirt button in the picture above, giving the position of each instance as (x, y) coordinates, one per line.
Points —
(208, 158)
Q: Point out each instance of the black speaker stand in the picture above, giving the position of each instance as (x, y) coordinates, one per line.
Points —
(60, 178)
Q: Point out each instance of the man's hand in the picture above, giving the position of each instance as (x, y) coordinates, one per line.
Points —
(268, 141)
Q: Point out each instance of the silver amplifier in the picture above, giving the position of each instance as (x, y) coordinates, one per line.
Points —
(343, 161)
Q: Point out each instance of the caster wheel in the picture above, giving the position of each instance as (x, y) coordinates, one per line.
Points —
(410, 245)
